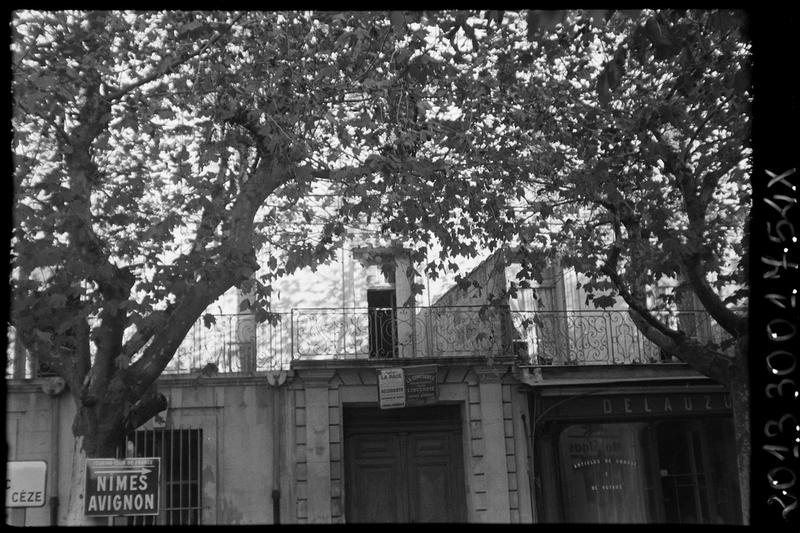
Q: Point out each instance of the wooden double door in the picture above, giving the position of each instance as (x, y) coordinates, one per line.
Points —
(404, 465)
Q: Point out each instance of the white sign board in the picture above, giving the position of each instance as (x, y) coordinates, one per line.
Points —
(391, 388)
(25, 483)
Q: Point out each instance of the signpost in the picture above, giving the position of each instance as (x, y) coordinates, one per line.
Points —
(122, 487)
(413, 385)
(25, 483)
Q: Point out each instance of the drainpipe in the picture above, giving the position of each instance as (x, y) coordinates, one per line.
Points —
(275, 380)
(531, 467)
(54, 456)
(276, 459)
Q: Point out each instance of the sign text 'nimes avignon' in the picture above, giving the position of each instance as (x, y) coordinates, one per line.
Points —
(122, 487)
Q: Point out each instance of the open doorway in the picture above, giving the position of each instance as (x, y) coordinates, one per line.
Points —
(382, 323)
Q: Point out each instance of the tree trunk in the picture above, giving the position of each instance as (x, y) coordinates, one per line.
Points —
(72, 514)
(740, 398)
(98, 431)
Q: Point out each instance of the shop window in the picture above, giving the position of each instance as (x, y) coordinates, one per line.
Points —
(602, 475)
(668, 471)
(181, 463)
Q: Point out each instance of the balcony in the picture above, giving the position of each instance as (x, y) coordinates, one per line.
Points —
(238, 344)
(235, 343)
(602, 337)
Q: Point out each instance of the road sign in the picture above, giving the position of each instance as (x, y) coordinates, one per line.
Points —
(122, 487)
(26, 483)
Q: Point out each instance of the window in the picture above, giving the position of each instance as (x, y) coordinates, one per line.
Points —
(180, 451)
(667, 471)
(603, 478)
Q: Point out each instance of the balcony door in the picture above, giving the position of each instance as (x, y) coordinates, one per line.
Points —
(382, 323)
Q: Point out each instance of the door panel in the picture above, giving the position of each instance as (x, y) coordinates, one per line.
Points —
(374, 474)
(433, 478)
(405, 474)
(429, 491)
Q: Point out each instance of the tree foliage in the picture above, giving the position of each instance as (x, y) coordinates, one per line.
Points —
(616, 142)
(157, 152)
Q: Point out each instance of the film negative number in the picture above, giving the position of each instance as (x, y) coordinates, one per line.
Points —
(776, 390)
(777, 484)
(772, 359)
(776, 451)
(785, 509)
(769, 430)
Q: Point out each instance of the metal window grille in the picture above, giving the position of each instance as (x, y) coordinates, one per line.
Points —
(180, 451)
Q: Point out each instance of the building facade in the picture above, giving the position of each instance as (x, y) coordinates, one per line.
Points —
(539, 410)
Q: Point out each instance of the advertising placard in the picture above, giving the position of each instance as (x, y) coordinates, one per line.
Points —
(25, 483)
(420, 383)
(391, 388)
(122, 487)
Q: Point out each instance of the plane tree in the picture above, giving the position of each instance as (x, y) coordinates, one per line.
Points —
(654, 183)
(617, 143)
(155, 155)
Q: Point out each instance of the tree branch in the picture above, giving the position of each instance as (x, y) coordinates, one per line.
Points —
(691, 257)
(732, 323)
(701, 127)
(168, 67)
(235, 260)
(637, 307)
(146, 408)
(699, 356)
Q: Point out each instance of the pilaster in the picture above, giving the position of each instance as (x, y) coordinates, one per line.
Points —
(496, 467)
(318, 458)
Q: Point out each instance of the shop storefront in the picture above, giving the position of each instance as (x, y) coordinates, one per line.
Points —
(635, 456)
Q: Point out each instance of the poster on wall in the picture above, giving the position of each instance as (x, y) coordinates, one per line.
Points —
(420, 383)
(391, 388)
(122, 487)
(401, 387)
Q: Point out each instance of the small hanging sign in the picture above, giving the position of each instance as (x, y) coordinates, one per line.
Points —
(391, 388)
(413, 385)
(420, 382)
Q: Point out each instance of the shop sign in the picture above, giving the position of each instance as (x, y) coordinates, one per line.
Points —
(639, 405)
(391, 388)
(412, 385)
(25, 483)
(122, 487)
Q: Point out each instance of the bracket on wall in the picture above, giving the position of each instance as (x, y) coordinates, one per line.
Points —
(276, 378)
(53, 386)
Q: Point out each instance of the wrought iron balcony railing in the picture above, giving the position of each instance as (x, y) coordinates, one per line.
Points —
(603, 336)
(537, 337)
(399, 332)
(238, 344)
(234, 343)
